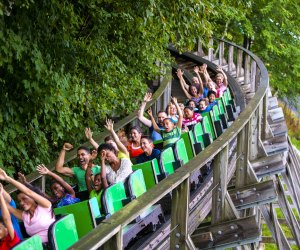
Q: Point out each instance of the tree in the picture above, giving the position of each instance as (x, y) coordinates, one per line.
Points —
(65, 65)
(270, 30)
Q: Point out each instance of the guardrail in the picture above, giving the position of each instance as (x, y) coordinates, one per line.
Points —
(248, 129)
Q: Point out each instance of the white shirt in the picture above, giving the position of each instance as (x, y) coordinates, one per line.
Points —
(122, 173)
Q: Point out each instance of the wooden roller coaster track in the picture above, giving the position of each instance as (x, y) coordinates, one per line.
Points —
(254, 169)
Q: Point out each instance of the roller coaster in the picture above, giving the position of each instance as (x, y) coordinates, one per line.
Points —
(218, 184)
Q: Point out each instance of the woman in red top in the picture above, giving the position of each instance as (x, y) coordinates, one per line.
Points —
(134, 144)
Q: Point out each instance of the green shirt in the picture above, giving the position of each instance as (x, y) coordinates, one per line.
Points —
(169, 138)
(80, 176)
(93, 194)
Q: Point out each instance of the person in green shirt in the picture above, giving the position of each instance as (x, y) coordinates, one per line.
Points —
(95, 187)
(171, 132)
(84, 156)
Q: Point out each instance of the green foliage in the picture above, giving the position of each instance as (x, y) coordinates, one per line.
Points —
(65, 65)
(270, 30)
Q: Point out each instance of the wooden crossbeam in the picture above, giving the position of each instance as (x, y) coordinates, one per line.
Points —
(269, 165)
(279, 128)
(272, 103)
(230, 234)
(276, 144)
(275, 115)
(253, 195)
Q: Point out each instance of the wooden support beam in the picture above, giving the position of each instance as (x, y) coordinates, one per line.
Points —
(221, 53)
(276, 144)
(242, 157)
(115, 242)
(210, 50)
(291, 179)
(247, 69)
(269, 165)
(239, 63)
(287, 211)
(202, 239)
(275, 115)
(271, 225)
(265, 133)
(253, 76)
(279, 128)
(230, 234)
(230, 59)
(220, 165)
(179, 215)
(253, 195)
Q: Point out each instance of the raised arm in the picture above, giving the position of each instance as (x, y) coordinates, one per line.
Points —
(155, 126)
(43, 202)
(5, 214)
(225, 81)
(179, 112)
(88, 179)
(103, 170)
(203, 70)
(183, 84)
(110, 127)
(89, 135)
(197, 70)
(141, 111)
(180, 74)
(59, 167)
(45, 171)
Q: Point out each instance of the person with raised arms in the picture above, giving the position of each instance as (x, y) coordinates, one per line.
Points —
(192, 92)
(84, 156)
(8, 236)
(63, 192)
(161, 115)
(171, 132)
(36, 212)
(113, 139)
(113, 169)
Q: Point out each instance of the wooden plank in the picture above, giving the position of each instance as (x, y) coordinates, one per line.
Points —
(203, 239)
(220, 164)
(264, 161)
(221, 53)
(230, 59)
(269, 165)
(277, 228)
(255, 194)
(276, 114)
(272, 103)
(279, 128)
(287, 211)
(232, 233)
(267, 239)
(239, 63)
(179, 215)
(271, 225)
(268, 169)
(247, 69)
(253, 76)
(115, 242)
(292, 182)
(276, 144)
